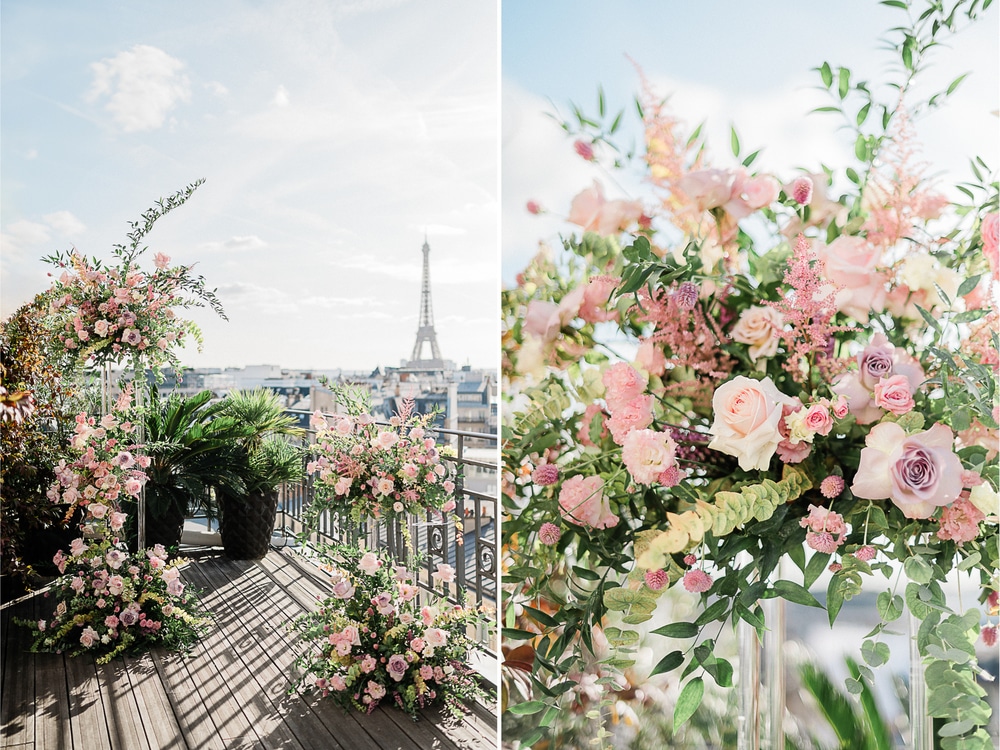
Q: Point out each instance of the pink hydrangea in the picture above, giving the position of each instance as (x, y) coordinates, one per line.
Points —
(697, 581)
(960, 521)
(582, 501)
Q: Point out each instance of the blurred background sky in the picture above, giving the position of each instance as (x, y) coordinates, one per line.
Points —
(725, 63)
(333, 135)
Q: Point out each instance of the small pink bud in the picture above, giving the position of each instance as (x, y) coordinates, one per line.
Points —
(656, 579)
(534, 208)
(549, 533)
(584, 149)
(802, 190)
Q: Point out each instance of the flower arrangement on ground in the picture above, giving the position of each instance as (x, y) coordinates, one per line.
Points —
(379, 637)
(383, 470)
(110, 602)
(807, 378)
(110, 313)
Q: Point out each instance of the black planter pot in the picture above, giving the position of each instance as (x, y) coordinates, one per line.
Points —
(165, 529)
(247, 524)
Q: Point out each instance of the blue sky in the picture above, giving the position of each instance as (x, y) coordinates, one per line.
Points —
(332, 135)
(726, 62)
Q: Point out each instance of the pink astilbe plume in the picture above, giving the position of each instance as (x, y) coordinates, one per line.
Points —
(807, 310)
(688, 338)
(895, 196)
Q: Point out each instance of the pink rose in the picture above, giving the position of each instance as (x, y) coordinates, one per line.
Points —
(444, 573)
(338, 683)
(893, 394)
(436, 637)
(650, 358)
(758, 327)
(592, 211)
(818, 419)
(707, 188)
(989, 230)
(161, 261)
(544, 319)
(622, 384)
(582, 502)
(878, 360)
(369, 563)
(597, 292)
(647, 454)
(850, 263)
(917, 472)
(747, 416)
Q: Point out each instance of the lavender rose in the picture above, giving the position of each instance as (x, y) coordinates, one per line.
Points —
(397, 667)
(917, 472)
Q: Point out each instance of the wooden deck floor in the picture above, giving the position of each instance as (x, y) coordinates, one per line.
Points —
(230, 692)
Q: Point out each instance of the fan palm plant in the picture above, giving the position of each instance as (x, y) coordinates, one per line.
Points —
(193, 447)
(266, 458)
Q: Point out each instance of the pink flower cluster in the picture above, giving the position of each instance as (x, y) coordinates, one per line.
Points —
(110, 601)
(382, 641)
(374, 469)
(106, 467)
(111, 313)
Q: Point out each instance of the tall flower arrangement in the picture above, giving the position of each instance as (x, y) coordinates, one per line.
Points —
(119, 312)
(109, 601)
(803, 377)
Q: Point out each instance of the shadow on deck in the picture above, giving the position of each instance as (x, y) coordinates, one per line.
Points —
(231, 691)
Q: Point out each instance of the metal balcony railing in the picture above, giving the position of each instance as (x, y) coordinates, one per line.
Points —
(471, 551)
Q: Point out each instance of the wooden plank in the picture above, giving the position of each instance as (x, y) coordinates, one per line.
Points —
(271, 654)
(392, 721)
(51, 702)
(238, 678)
(17, 702)
(235, 729)
(352, 728)
(88, 722)
(187, 701)
(157, 714)
(120, 708)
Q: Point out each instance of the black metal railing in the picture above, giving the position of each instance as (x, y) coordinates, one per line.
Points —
(471, 549)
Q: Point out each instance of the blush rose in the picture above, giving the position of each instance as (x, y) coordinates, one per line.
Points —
(747, 415)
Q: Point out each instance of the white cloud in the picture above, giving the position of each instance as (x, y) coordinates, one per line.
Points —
(216, 88)
(25, 233)
(441, 229)
(142, 84)
(281, 97)
(31, 154)
(65, 223)
(246, 243)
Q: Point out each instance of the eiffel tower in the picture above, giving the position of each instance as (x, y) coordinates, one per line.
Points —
(425, 326)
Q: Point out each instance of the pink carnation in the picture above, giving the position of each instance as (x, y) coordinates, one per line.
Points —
(582, 501)
(960, 521)
(647, 454)
(622, 384)
(635, 415)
